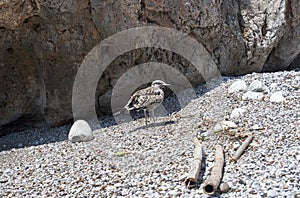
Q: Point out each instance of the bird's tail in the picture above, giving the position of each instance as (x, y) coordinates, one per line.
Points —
(122, 110)
(127, 107)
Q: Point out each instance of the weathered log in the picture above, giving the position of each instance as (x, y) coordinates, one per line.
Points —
(211, 184)
(193, 174)
(241, 149)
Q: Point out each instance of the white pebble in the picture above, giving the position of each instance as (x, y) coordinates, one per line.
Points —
(224, 125)
(256, 127)
(237, 86)
(277, 97)
(236, 145)
(272, 193)
(250, 95)
(257, 86)
(238, 112)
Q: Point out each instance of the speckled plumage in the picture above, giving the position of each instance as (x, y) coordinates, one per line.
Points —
(148, 98)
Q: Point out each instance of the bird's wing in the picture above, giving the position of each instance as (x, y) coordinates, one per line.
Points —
(145, 98)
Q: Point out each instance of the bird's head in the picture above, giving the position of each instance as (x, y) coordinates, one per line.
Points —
(159, 83)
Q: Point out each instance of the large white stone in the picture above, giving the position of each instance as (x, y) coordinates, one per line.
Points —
(251, 95)
(80, 132)
(238, 85)
(257, 86)
(277, 97)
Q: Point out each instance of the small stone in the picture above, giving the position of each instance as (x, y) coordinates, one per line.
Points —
(80, 132)
(272, 193)
(257, 86)
(183, 177)
(250, 95)
(277, 97)
(118, 185)
(236, 145)
(273, 85)
(241, 181)
(229, 124)
(217, 128)
(230, 184)
(256, 127)
(224, 125)
(224, 187)
(21, 191)
(254, 196)
(254, 144)
(173, 193)
(238, 85)
(110, 188)
(285, 186)
(163, 188)
(238, 112)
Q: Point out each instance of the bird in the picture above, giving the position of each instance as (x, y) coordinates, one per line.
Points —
(147, 99)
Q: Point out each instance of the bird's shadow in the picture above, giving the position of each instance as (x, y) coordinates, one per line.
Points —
(157, 124)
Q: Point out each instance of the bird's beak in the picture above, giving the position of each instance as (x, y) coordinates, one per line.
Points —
(167, 84)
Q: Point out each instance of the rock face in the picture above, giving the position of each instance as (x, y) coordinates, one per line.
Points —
(43, 43)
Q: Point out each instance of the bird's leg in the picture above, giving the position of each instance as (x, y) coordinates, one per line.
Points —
(152, 115)
(145, 114)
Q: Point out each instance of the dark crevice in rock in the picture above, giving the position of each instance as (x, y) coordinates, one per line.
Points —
(264, 26)
(240, 18)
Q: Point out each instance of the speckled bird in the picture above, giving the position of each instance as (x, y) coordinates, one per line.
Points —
(147, 99)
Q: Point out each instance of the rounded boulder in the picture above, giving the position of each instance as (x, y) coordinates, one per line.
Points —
(80, 132)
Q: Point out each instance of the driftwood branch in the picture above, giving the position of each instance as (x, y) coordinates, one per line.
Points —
(211, 184)
(241, 149)
(192, 177)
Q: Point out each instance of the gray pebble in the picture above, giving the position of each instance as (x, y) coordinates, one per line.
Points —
(224, 187)
(272, 193)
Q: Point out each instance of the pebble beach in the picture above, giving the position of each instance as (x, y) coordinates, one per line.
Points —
(134, 160)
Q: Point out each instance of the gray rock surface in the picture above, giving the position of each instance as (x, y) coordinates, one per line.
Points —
(80, 132)
(43, 43)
